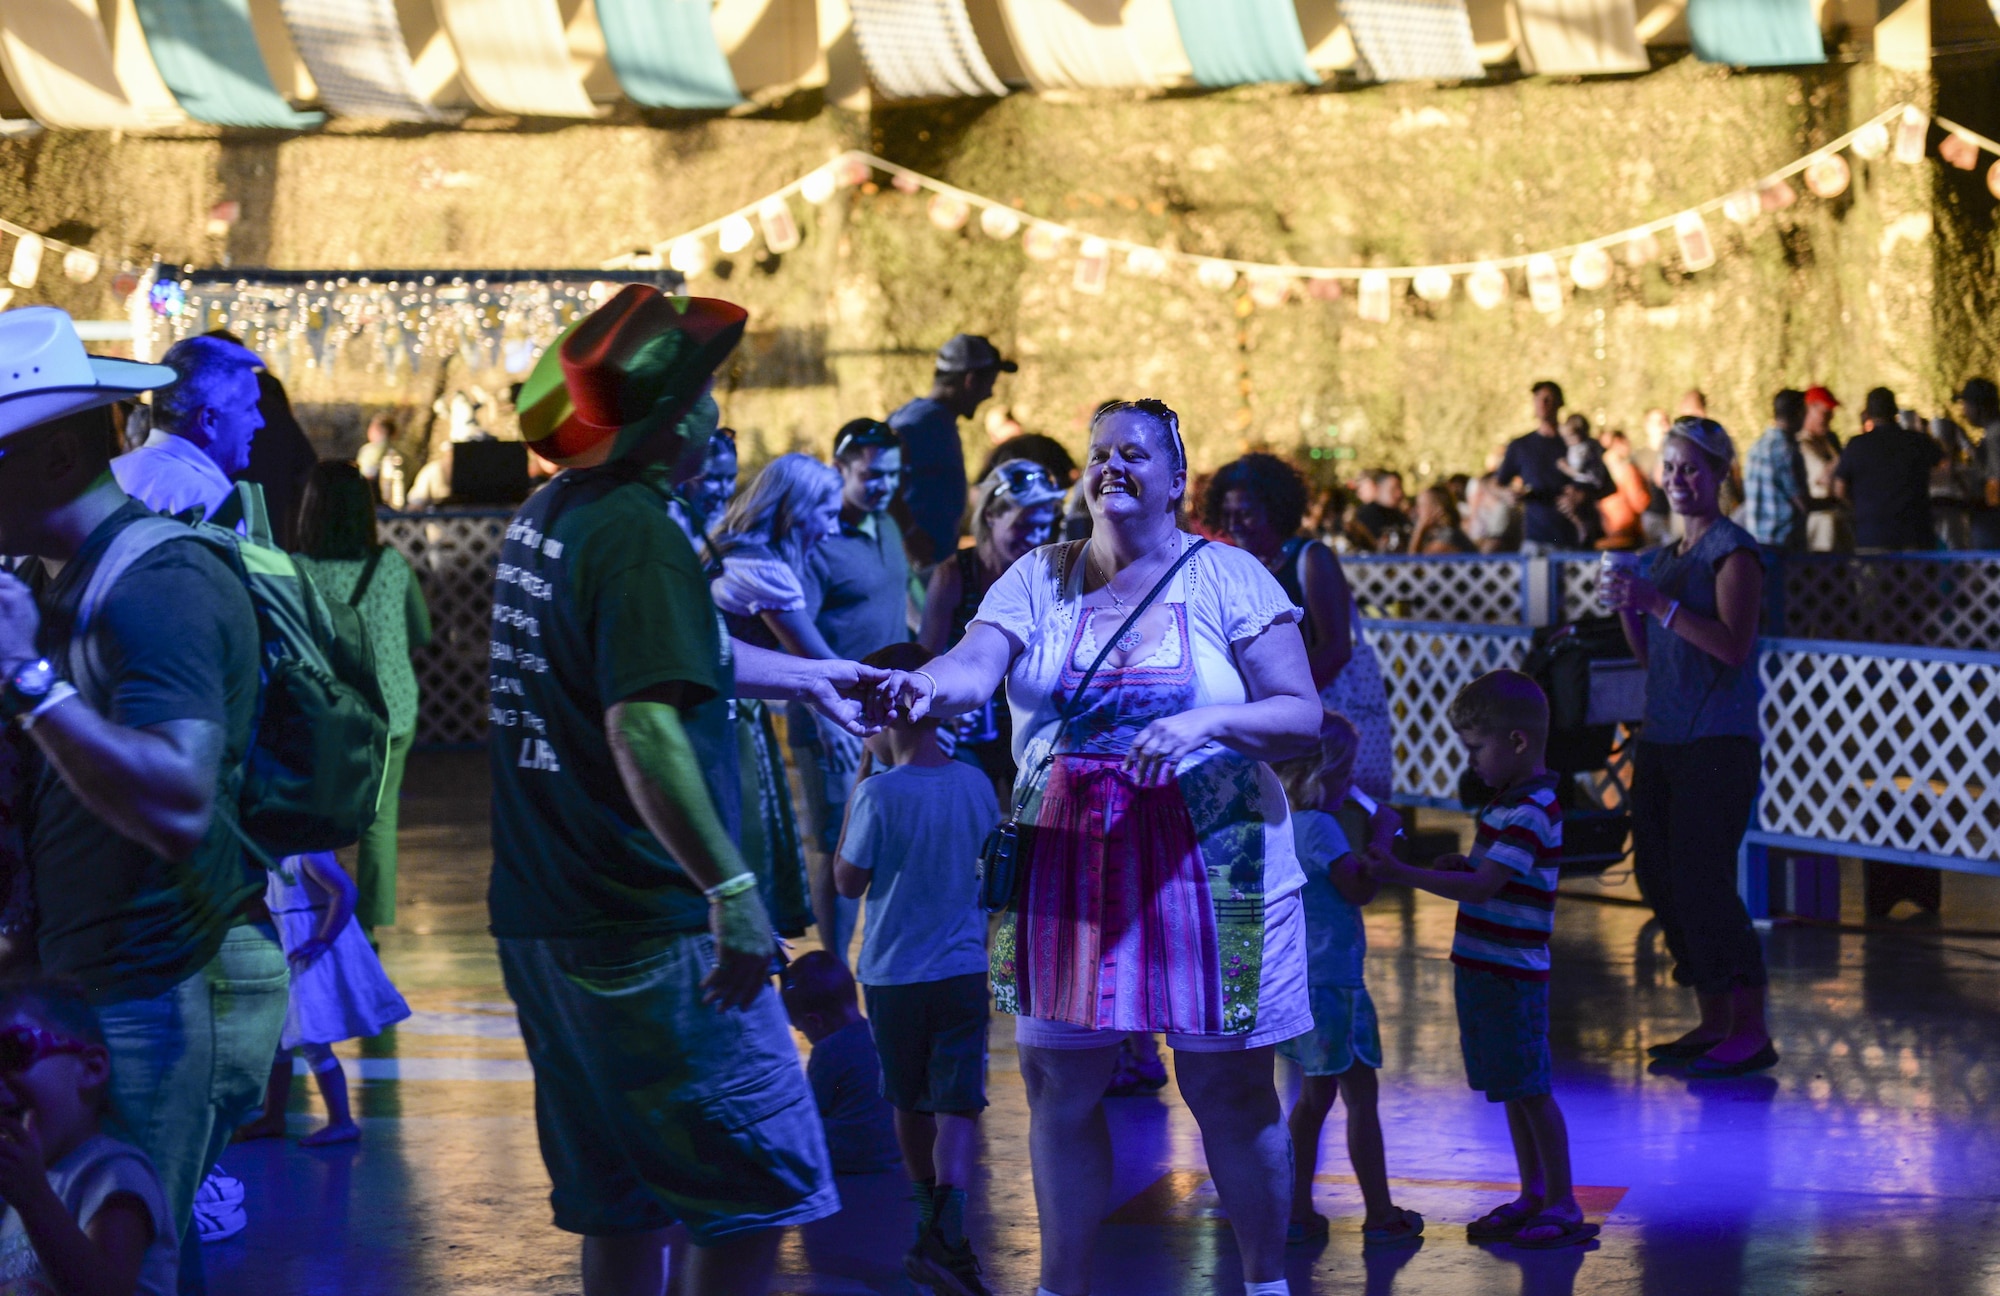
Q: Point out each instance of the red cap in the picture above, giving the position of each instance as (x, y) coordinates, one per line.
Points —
(1821, 396)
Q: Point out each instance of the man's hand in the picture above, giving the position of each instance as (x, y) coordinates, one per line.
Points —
(22, 1171)
(743, 947)
(848, 694)
(20, 620)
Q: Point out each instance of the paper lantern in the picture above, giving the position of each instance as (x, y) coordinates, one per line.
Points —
(1216, 276)
(818, 186)
(1742, 206)
(1270, 288)
(1374, 304)
(1959, 149)
(851, 170)
(1545, 290)
(735, 234)
(6, 298)
(27, 264)
(1641, 249)
(124, 284)
(781, 232)
(1590, 268)
(689, 255)
(998, 222)
(1432, 283)
(1870, 142)
(949, 211)
(1149, 263)
(1911, 131)
(1697, 249)
(1486, 285)
(79, 266)
(906, 183)
(1042, 242)
(1776, 196)
(1828, 176)
(1323, 288)
(1093, 267)
(1993, 179)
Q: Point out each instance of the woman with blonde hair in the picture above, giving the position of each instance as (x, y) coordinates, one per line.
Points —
(763, 539)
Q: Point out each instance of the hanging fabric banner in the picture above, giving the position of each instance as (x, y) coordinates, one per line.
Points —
(1097, 44)
(138, 75)
(356, 54)
(918, 49)
(1240, 42)
(1580, 37)
(59, 62)
(1755, 33)
(514, 56)
(207, 54)
(1413, 40)
(771, 45)
(1329, 45)
(665, 53)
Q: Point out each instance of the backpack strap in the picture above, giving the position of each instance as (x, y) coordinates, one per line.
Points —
(367, 575)
(139, 538)
(246, 505)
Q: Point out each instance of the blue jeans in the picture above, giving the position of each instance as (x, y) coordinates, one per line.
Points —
(189, 1065)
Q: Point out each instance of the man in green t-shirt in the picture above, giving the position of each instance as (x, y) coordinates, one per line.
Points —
(667, 1088)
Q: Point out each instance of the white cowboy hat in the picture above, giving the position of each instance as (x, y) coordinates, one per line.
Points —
(45, 372)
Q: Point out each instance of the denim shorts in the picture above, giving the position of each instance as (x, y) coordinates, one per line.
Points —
(1503, 1029)
(656, 1109)
(931, 1037)
(1344, 1033)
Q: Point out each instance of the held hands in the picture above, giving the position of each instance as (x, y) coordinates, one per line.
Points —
(22, 1170)
(1161, 744)
(907, 695)
(1383, 826)
(20, 619)
(743, 946)
(848, 694)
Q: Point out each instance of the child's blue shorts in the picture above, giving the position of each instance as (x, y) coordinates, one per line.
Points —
(1503, 1029)
(1344, 1033)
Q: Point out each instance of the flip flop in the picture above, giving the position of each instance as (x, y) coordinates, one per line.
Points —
(1499, 1224)
(1574, 1233)
(1406, 1231)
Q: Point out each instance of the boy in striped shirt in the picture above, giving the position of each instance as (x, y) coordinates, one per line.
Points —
(1506, 893)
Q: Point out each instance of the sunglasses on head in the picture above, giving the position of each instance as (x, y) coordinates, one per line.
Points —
(871, 436)
(1020, 478)
(23, 1046)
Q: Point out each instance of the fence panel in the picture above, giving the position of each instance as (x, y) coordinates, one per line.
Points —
(1945, 600)
(453, 555)
(1425, 664)
(1482, 590)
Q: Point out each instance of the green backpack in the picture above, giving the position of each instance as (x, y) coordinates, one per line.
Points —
(321, 735)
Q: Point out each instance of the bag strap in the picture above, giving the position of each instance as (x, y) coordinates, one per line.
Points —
(367, 575)
(139, 538)
(1074, 707)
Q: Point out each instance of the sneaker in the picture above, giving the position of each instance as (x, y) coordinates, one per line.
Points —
(946, 1269)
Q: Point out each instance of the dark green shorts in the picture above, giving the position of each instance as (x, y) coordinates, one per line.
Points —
(931, 1037)
(654, 1108)
(1503, 1029)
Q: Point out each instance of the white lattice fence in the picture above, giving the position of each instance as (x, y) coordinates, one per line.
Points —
(1938, 602)
(1896, 749)
(1424, 666)
(1478, 591)
(453, 555)
(1578, 587)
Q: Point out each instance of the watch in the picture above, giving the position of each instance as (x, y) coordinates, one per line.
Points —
(27, 688)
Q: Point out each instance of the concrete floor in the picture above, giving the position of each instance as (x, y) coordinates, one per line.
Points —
(1868, 1162)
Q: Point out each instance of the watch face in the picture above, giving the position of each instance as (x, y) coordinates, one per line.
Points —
(35, 678)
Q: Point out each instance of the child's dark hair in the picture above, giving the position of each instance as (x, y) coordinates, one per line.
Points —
(1500, 702)
(57, 1002)
(1333, 759)
(906, 656)
(817, 982)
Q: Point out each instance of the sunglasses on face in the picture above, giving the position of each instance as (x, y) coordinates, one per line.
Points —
(21, 1047)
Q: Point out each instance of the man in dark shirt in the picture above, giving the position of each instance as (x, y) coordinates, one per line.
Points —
(1532, 468)
(1885, 477)
(967, 368)
(141, 889)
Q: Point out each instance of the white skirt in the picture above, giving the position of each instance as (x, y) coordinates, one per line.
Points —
(344, 994)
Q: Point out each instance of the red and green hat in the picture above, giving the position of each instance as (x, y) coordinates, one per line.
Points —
(640, 361)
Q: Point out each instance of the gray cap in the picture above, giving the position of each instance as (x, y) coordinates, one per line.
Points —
(1706, 434)
(968, 353)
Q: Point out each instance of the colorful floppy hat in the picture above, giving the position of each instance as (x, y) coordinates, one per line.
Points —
(638, 362)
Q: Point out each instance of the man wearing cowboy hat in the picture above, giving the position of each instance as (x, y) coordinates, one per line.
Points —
(142, 892)
(632, 937)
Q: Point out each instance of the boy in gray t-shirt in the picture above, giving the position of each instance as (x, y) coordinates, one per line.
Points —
(911, 845)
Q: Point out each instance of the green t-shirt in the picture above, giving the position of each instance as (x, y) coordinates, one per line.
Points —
(598, 596)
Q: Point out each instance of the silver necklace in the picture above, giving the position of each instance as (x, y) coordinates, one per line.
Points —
(1130, 640)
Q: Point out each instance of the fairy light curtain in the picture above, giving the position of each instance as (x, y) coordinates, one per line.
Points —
(918, 49)
(1579, 37)
(1413, 40)
(207, 53)
(1755, 33)
(1097, 44)
(358, 59)
(1238, 42)
(666, 54)
(60, 64)
(515, 57)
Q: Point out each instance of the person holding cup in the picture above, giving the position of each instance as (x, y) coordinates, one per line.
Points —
(1691, 619)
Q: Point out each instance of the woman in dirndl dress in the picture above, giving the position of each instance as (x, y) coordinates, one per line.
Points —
(1159, 888)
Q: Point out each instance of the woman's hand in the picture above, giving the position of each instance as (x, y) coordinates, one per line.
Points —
(1625, 592)
(1161, 744)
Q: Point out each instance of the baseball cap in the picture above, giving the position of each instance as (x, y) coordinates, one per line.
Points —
(1979, 391)
(1707, 434)
(1821, 396)
(968, 353)
(1880, 404)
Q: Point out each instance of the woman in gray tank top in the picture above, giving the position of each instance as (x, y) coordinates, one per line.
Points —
(1692, 621)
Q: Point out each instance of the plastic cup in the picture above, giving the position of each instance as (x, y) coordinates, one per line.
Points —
(1623, 562)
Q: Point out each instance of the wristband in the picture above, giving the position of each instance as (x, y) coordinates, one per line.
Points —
(1673, 609)
(59, 693)
(934, 684)
(730, 888)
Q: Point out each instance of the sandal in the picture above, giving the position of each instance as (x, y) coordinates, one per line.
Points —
(1311, 1231)
(1406, 1231)
(1569, 1233)
(1500, 1224)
